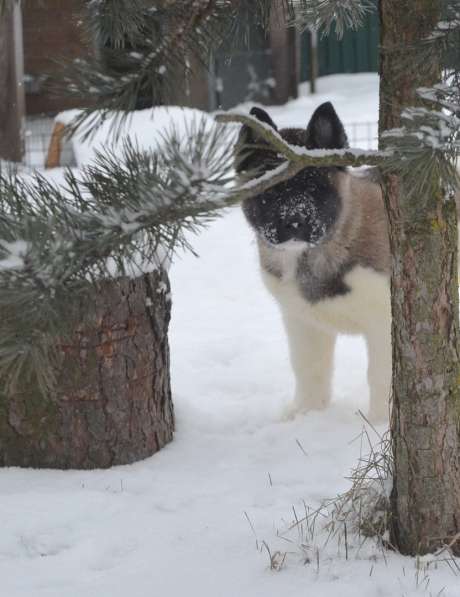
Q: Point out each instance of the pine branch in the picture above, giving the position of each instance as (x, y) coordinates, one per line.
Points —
(444, 95)
(116, 23)
(323, 14)
(300, 156)
(424, 151)
(146, 51)
(116, 218)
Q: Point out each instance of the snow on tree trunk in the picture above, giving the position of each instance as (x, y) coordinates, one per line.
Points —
(425, 331)
(112, 403)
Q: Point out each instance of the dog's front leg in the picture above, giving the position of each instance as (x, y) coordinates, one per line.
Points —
(312, 354)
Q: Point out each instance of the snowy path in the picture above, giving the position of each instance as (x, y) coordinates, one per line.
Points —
(175, 524)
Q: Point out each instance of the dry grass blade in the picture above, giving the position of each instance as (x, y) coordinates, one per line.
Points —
(277, 558)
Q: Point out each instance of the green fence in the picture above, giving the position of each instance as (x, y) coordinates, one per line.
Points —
(356, 52)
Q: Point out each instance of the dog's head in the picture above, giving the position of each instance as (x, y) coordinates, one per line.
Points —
(305, 207)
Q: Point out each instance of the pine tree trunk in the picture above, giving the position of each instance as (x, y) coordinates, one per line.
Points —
(426, 373)
(113, 402)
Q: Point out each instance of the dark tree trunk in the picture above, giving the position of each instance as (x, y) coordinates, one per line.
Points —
(113, 399)
(285, 57)
(426, 372)
(12, 97)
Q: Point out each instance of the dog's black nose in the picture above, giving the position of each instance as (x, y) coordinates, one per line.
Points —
(291, 227)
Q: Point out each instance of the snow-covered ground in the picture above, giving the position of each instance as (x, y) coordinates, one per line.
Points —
(192, 520)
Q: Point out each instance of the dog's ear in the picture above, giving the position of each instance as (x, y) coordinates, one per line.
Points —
(325, 129)
(244, 157)
(247, 134)
(262, 116)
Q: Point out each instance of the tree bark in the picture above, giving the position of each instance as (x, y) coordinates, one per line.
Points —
(424, 297)
(12, 96)
(284, 56)
(112, 403)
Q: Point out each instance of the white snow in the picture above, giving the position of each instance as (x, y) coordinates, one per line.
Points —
(190, 521)
(145, 128)
(15, 253)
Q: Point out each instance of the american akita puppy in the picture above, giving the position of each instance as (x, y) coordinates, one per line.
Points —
(325, 257)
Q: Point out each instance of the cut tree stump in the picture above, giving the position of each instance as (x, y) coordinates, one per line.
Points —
(112, 403)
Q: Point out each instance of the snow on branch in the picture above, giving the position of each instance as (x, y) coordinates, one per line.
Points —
(300, 156)
(424, 149)
(444, 95)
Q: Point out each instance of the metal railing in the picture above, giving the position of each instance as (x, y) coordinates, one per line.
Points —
(38, 133)
(37, 137)
(362, 135)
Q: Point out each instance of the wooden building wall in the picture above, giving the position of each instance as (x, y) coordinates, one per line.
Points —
(51, 31)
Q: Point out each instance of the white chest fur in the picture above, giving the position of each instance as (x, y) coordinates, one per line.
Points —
(365, 307)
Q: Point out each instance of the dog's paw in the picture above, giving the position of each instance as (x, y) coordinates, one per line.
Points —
(290, 411)
(295, 409)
